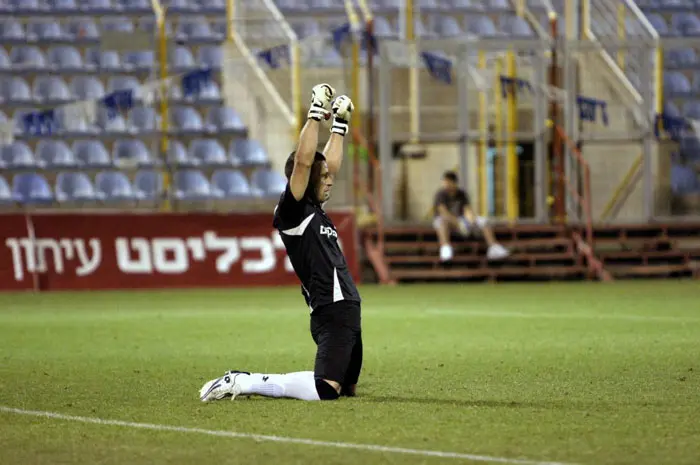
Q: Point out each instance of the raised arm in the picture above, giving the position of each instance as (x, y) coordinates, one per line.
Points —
(333, 151)
(321, 96)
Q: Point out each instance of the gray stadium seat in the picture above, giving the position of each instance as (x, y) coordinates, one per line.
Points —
(448, 26)
(131, 152)
(268, 182)
(676, 84)
(692, 110)
(516, 26)
(211, 56)
(31, 188)
(113, 186)
(143, 119)
(44, 30)
(249, 152)
(5, 62)
(186, 119)
(16, 89)
(87, 87)
(83, 29)
(74, 186)
(64, 58)
(230, 184)
(119, 24)
(27, 57)
(91, 153)
(11, 30)
(55, 153)
(208, 152)
(122, 83)
(482, 26)
(191, 185)
(181, 58)
(177, 154)
(224, 118)
(18, 155)
(681, 57)
(111, 123)
(51, 89)
(6, 194)
(65, 6)
(142, 59)
(148, 184)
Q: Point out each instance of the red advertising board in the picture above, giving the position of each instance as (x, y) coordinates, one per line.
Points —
(137, 251)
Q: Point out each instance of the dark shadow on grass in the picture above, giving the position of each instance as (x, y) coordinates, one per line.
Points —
(542, 405)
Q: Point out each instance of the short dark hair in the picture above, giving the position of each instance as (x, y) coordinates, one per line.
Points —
(315, 175)
(450, 176)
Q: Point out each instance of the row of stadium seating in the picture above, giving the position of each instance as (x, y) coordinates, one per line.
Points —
(189, 184)
(52, 153)
(68, 59)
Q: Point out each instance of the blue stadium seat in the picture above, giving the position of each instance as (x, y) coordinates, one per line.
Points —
(140, 60)
(191, 185)
(308, 27)
(100, 6)
(31, 188)
(15, 89)
(74, 187)
(211, 56)
(230, 184)
(690, 148)
(92, 153)
(5, 62)
(87, 87)
(482, 26)
(499, 5)
(44, 30)
(291, 6)
(224, 119)
(6, 194)
(382, 27)
(51, 89)
(113, 186)
(196, 28)
(681, 57)
(692, 110)
(208, 152)
(27, 57)
(429, 6)
(181, 59)
(186, 119)
(55, 153)
(696, 83)
(213, 6)
(118, 24)
(148, 184)
(148, 23)
(143, 119)
(471, 5)
(660, 25)
(676, 84)
(18, 155)
(110, 123)
(684, 180)
(65, 6)
(122, 83)
(447, 26)
(671, 109)
(109, 60)
(516, 26)
(131, 152)
(249, 152)
(268, 182)
(136, 6)
(28, 6)
(64, 58)
(177, 154)
(12, 31)
(83, 29)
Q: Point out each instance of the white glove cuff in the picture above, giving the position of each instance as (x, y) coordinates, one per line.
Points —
(340, 127)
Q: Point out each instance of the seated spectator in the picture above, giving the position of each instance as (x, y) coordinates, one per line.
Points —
(454, 213)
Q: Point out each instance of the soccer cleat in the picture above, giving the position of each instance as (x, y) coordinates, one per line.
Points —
(222, 387)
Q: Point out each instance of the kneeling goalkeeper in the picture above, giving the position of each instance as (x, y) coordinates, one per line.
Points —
(311, 241)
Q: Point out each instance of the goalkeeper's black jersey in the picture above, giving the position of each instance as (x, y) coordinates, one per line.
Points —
(312, 245)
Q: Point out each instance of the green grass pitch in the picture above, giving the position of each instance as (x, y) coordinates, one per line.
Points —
(584, 373)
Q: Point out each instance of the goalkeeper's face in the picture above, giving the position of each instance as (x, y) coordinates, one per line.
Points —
(324, 183)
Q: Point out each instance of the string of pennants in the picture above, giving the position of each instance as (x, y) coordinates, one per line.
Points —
(45, 122)
(441, 69)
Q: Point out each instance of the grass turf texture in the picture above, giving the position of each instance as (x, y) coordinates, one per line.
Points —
(578, 373)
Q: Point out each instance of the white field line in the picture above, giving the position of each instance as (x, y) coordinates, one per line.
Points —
(278, 439)
(562, 316)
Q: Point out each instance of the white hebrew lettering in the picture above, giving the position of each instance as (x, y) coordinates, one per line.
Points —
(88, 265)
(170, 255)
(196, 246)
(228, 245)
(267, 259)
(42, 245)
(142, 263)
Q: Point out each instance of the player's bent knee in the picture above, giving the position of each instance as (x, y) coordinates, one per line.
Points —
(325, 390)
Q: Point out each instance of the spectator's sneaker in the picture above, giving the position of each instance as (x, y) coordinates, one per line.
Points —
(497, 252)
(445, 253)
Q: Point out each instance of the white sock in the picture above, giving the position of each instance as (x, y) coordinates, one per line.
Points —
(299, 385)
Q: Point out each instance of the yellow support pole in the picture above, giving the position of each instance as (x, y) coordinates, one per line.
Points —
(230, 15)
(296, 86)
(164, 113)
(512, 194)
(413, 73)
(483, 142)
(586, 18)
(498, 129)
(621, 34)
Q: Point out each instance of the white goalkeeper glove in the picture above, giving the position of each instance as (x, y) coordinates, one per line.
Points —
(321, 96)
(342, 111)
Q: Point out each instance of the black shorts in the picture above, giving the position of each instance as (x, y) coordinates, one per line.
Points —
(336, 329)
